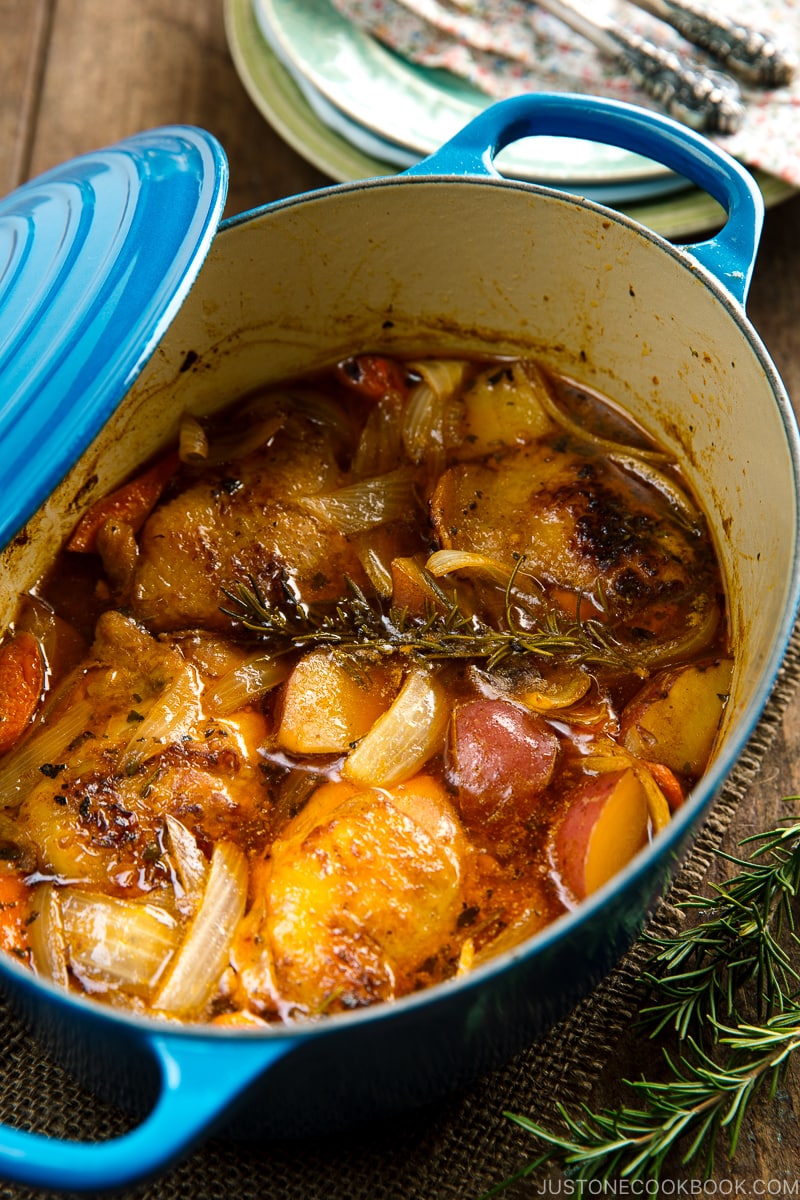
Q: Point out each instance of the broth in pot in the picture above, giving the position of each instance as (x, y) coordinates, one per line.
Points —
(371, 677)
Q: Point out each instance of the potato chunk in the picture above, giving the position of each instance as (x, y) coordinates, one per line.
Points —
(328, 704)
(605, 824)
(675, 717)
(500, 757)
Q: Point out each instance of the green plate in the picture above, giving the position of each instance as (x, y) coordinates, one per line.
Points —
(281, 102)
(419, 108)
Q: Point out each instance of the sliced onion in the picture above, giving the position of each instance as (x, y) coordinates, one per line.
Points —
(611, 757)
(192, 440)
(649, 473)
(205, 951)
(444, 376)
(46, 935)
(443, 562)
(245, 441)
(657, 803)
(46, 744)
(377, 570)
(320, 410)
(424, 417)
(39, 619)
(546, 690)
(369, 502)
(249, 680)
(113, 942)
(380, 446)
(401, 741)
(585, 435)
(170, 717)
(191, 866)
(560, 691)
(701, 626)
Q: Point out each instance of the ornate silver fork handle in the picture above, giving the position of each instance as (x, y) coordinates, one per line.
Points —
(748, 53)
(702, 99)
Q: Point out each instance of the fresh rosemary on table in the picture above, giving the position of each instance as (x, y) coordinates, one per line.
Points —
(706, 980)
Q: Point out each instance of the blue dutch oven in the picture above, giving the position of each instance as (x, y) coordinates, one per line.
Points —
(123, 303)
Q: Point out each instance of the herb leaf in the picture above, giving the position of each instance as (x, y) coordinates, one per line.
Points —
(356, 624)
(740, 953)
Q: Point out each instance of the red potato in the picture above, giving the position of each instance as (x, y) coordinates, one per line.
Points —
(501, 757)
(675, 717)
(606, 823)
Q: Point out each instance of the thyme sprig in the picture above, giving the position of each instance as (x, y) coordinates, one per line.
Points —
(743, 952)
(355, 624)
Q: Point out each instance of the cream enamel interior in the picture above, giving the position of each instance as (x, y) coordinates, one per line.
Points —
(431, 266)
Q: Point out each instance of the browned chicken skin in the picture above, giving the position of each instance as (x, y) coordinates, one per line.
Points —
(581, 522)
(238, 522)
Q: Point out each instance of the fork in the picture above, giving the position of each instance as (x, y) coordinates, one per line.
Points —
(751, 54)
(702, 99)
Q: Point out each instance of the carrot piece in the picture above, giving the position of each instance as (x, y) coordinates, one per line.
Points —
(131, 503)
(577, 604)
(373, 376)
(15, 913)
(669, 783)
(241, 1019)
(22, 680)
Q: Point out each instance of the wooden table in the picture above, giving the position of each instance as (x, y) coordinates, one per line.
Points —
(79, 74)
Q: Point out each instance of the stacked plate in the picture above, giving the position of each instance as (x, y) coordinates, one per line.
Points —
(355, 109)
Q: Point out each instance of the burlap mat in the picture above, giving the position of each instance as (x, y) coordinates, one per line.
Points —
(454, 1150)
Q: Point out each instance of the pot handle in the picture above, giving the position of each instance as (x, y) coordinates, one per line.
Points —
(200, 1079)
(729, 256)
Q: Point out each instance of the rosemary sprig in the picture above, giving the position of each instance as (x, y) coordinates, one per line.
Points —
(743, 951)
(697, 973)
(355, 624)
(701, 1099)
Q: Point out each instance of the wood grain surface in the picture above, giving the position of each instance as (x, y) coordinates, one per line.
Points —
(79, 74)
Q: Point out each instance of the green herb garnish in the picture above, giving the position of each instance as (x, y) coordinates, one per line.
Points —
(705, 980)
(354, 624)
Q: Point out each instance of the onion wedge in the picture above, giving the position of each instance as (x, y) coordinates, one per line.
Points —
(410, 732)
(46, 935)
(171, 715)
(205, 950)
(370, 502)
(117, 943)
(249, 680)
(46, 745)
(615, 756)
(191, 867)
(192, 440)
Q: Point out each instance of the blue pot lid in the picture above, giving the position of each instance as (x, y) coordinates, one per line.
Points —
(96, 257)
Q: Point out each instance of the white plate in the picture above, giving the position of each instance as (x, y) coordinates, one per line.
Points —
(416, 108)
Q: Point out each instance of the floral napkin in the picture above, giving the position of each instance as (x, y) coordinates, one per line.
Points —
(505, 47)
